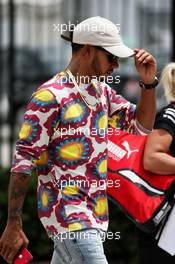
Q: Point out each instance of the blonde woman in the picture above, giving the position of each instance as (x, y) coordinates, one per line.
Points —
(156, 159)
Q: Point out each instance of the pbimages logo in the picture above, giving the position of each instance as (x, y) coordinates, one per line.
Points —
(86, 235)
(102, 28)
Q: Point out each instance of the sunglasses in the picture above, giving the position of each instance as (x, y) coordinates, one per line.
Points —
(111, 58)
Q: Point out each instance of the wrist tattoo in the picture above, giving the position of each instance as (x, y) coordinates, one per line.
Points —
(17, 191)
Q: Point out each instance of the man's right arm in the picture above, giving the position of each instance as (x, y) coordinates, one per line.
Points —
(36, 131)
(13, 237)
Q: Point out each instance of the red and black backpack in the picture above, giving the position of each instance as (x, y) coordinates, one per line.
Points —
(145, 197)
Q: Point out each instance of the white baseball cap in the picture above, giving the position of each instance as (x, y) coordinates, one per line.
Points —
(99, 31)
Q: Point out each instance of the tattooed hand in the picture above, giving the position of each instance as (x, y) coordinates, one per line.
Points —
(11, 241)
(13, 237)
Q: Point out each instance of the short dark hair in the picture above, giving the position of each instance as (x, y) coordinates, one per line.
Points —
(68, 35)
(75, 47)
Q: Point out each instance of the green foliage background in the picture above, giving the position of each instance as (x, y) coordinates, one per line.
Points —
(122, 251)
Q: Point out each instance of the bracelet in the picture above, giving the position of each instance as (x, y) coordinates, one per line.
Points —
(149, 86)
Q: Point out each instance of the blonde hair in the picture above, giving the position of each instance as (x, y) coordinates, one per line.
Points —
(168, 81)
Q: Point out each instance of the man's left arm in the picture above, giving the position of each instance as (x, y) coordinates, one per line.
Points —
(147, 68)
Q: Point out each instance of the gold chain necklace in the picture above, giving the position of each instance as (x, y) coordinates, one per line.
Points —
(91, 106)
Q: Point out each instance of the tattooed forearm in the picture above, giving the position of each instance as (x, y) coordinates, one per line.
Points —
(17, 191)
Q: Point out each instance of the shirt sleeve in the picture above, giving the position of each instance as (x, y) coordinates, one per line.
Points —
(122, 114)
(166, 120)
(40, 120)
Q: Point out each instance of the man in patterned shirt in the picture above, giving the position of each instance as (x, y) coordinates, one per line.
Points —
(64, 135)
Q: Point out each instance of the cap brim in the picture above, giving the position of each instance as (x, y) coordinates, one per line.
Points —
(66, 36)
(121, 51)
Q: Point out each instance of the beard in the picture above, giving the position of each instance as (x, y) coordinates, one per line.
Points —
(97, 72)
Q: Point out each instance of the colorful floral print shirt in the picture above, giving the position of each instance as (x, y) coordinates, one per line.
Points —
(67, 143)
